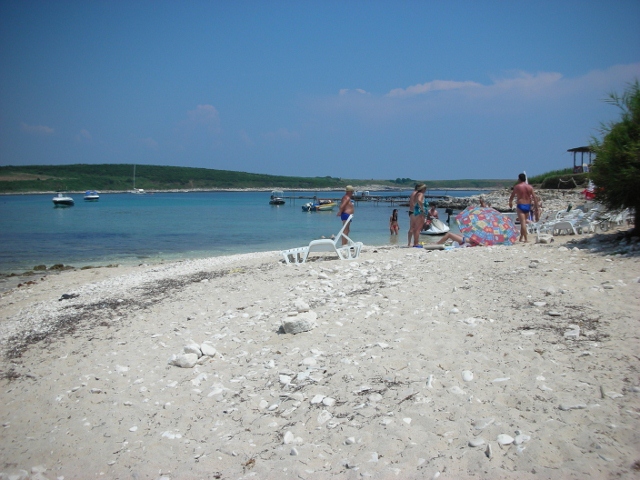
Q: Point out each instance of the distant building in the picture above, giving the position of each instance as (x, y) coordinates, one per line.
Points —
(582, 166)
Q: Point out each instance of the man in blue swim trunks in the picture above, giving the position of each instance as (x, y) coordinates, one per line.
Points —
(523, 192)
(346, 209)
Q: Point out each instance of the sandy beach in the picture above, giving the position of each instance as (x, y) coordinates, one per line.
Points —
(488, 362)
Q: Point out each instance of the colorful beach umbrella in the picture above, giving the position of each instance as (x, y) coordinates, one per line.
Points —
(486, 226)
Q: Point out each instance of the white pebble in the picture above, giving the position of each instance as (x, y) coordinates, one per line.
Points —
(476, 442)
(467, 376)
(504, 439)
(328, 401)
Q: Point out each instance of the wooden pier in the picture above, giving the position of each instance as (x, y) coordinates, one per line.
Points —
(392, 199)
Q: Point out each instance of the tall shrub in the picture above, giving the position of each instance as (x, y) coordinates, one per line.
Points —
(616, 169)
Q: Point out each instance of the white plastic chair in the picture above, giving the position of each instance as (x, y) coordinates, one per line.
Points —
(563, 226)
(349, 251)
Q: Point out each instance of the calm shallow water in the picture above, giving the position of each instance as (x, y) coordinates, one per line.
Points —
(127, 228)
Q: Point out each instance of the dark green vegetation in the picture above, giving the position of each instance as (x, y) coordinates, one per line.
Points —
(38, 178)
(616, 170)
(564, 178)
(119, 177)
(49, 178)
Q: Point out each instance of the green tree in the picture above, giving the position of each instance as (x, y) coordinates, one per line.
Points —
(616, 169)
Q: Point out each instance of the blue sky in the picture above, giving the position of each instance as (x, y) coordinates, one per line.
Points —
(351, 89)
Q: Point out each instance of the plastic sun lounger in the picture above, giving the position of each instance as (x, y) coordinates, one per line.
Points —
(349, 251)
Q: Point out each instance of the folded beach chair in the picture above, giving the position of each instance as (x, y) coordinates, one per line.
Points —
(349, 251)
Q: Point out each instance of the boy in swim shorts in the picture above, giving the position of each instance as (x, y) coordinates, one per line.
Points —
(523, 192)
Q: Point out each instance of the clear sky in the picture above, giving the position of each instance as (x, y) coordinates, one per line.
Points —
(351, 89)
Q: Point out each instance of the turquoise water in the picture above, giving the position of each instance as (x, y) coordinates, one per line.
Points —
(129, 229)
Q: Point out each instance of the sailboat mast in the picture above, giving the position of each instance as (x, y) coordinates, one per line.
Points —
(134, 177)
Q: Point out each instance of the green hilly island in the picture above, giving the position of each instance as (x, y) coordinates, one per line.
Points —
(119, 177)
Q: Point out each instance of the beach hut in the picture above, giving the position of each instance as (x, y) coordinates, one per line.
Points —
(582, 167)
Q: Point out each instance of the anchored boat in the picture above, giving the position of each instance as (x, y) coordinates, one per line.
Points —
(91, 196)
(277, 198)
(61, 200)
(320, 205)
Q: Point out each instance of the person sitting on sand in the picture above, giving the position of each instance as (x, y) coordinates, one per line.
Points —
(393, 222)
(455, 238)
(433, 212)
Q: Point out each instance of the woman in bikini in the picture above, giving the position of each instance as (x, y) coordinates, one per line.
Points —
(393, 222)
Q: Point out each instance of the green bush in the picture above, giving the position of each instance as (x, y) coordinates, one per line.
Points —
(572, 180)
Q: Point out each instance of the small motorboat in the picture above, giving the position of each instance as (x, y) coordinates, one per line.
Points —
(437, 227)
(277, 198)
(91, 196)
(319, 206)
(61, 200)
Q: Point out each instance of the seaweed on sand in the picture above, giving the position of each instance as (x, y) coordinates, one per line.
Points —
(84, 317)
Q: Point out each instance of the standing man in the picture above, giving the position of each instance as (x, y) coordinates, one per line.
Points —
(346, 209)
(523, 192)
(417, 210)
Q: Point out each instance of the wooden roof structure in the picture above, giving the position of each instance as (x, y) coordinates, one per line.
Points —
(581, 151)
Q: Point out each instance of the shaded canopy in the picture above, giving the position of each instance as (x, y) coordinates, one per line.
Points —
(581, 151)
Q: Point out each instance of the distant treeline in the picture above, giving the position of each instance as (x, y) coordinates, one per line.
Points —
(119, 177)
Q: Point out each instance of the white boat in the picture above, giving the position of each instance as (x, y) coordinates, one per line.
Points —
(61, 200)
(91, 196)
(137, 191)
(320, 205)
(277, 198)
(437, 227)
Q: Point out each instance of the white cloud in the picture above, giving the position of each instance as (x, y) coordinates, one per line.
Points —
(204, 116)
(511, 93)
(347, 91)
(433, 86)
(36, 129)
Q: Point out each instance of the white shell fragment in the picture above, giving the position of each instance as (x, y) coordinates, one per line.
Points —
(504, 439)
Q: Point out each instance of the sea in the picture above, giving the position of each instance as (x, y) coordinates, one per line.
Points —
(127, 228)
